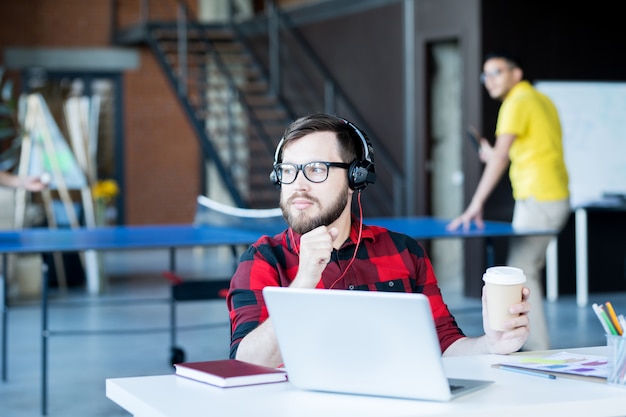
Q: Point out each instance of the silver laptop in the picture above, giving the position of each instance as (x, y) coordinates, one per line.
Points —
(362, 342)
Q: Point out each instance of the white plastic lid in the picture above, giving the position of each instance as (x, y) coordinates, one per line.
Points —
(505, 275)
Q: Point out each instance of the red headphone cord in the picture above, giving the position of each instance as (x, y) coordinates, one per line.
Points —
(358, 241)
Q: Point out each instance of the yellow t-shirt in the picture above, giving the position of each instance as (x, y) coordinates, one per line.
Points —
(537, 165)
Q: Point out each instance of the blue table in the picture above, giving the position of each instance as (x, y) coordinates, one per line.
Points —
(427, 228)
(107, 238)
(179, 236)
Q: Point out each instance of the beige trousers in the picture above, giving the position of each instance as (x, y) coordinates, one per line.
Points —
(529, 254)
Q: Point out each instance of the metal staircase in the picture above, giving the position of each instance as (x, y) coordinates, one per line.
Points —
(235, 109)
(228, 99)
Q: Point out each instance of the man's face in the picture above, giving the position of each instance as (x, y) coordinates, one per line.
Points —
(307, 205)
(499, 77)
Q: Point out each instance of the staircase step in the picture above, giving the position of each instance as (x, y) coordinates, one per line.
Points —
(255, 87)
(217, 34)
(242, 141)
(228, 47)
(261, 100)
(171, 46)
(269, 114)
(274, 131)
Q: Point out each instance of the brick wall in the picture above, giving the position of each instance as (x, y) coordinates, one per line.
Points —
(162, 153)
(161, 168)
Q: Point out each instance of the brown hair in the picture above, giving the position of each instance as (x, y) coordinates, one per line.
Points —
(349, 145)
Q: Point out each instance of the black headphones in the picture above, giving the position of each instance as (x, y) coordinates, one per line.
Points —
(361, 171)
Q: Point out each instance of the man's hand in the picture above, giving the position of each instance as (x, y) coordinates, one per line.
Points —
(316, 247)
(474, 212)
(517, 329)
(486, 150)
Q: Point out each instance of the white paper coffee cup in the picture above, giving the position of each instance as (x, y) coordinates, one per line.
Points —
(503, 288)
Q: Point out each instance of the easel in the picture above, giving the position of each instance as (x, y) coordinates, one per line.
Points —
(44, 151)
(81, 114)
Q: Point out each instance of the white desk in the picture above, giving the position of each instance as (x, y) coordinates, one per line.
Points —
(511, 395)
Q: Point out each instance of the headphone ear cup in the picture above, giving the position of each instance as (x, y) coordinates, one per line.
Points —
(359, 174)
(274, 179)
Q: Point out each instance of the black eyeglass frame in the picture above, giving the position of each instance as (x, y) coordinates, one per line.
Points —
(494, 73)
(300, 167)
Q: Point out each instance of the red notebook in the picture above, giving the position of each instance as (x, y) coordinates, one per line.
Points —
(230, 373)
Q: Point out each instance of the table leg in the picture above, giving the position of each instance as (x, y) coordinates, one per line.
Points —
(92, 272)
(552, 270)
(5, 312)
(44, 340)
(582, 264)
(490, 252)
(172, 253)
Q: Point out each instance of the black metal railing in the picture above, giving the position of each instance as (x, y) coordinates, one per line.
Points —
(296, 91)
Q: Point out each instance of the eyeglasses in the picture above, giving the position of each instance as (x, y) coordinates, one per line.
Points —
(316, 171)
(491, 74)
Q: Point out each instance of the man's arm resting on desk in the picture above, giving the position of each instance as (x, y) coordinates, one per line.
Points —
(502, 344)
(260, 346)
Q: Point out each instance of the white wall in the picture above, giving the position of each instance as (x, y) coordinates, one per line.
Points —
(594, 136)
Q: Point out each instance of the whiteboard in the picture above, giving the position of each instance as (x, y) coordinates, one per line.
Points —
(593, 118)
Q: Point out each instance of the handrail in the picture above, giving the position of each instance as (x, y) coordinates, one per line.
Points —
(333, 93)
(188, 19)
(206, 145)
(240, 96)
(181, 29)
(185, 19)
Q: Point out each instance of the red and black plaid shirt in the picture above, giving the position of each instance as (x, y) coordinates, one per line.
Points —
(386, 261)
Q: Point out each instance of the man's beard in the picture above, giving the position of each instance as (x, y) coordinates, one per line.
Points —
(302, 223)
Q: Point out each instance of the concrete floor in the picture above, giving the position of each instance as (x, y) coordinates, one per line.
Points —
(135, 302)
